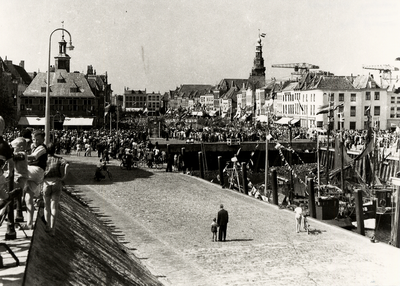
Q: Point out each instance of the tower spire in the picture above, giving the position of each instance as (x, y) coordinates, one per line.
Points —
(257, 75)
(63, 59)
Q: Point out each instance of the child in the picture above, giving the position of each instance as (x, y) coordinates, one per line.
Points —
(298, 215)
(214, 229)
(88, 150)
(21, 174)
(78, 149)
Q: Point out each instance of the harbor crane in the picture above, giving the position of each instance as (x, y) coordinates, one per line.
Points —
(299, 68)
(385, 72)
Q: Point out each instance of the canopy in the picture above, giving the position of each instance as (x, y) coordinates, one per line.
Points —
(78, 121)
(133, 109)
(287, 121)
(32, 121)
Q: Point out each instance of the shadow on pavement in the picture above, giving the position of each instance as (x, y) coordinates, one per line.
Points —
(87, 169)
(239, 239)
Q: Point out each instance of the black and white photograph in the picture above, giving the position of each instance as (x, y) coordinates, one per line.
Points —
(199, 142)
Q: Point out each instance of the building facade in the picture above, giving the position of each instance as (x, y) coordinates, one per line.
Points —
(73, 104)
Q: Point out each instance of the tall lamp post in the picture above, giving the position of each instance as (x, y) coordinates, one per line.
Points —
(47, 106)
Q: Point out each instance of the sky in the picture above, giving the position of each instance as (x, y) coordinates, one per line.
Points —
(158, 45)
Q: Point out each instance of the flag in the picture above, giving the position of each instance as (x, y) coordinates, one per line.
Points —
(263, 35)
(107, 109)
(328, 107)
(367, 111)
(302, 109)
(368, 149)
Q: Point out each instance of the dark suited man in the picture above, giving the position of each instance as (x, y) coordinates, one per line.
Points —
(222, 221)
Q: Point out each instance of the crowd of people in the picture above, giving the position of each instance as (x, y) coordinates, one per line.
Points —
(36, 170)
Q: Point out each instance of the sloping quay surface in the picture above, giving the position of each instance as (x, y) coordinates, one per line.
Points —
(83, 252)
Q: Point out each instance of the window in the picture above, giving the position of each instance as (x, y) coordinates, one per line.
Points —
(43, 89)
(331, 97)
(377, 96)
(352, 111)
(392, 99)
(341, 97)
(353, 97)
(352, 125)
(367, 110)
(367, 95)
(377, 110)
(74, 89)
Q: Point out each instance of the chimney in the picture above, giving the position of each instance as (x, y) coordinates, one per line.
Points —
(22, 64)
(89, 70)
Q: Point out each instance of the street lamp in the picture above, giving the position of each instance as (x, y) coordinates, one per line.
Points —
(47, 106)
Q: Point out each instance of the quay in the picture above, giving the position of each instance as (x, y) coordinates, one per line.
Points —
(164, 219)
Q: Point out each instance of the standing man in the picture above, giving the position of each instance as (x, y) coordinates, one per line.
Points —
(222, 221)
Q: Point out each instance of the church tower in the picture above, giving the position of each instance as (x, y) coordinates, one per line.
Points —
(257, 75)
(63, 60)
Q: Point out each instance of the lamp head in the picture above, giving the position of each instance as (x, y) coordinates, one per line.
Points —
(70, 47)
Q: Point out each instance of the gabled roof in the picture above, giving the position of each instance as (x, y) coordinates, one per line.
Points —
(334, 83)
(16, 71)
(21, 72)
(96, 82)
(231, 94)
(290, 86)
(60, 89)
(226, 83)
(192, 90)
(364, 81)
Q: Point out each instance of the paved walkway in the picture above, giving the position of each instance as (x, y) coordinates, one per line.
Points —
(11, 274)
(166, 217)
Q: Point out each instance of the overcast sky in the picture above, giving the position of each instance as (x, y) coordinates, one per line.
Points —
(161, 44)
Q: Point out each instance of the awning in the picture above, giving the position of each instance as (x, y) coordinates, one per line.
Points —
(133, 109)
(78, 121)
(287, 121)
(32, 121)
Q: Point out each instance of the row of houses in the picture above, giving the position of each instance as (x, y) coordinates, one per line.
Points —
(358, 100)
(79, 99)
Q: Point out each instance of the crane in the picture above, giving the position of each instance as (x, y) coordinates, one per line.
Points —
(299, 68)
(385, 71)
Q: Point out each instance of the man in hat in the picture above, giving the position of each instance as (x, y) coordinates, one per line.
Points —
(222, 221)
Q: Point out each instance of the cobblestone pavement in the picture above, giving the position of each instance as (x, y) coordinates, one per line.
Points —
(165, 219)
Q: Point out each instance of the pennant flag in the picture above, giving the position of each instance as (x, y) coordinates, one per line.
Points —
(302, 109)
(107, 109)
(328, 107)
(366, 151)
(367, 111)
(263, 35)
